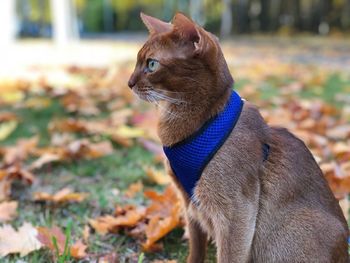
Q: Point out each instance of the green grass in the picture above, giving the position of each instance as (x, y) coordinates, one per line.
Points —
(101, 176)
(98, 177)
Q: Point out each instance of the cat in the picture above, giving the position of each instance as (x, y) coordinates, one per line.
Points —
(257, 191)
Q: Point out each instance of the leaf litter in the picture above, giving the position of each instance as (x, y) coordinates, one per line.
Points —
(87, 133)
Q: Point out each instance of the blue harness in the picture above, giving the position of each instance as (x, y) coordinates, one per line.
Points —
(189, 157)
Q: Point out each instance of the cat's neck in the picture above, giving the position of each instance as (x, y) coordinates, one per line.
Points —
(177, 122)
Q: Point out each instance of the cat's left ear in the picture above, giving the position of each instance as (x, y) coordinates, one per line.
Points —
(154, 25)
(188, 30)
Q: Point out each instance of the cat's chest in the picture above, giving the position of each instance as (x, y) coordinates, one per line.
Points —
(189, 158)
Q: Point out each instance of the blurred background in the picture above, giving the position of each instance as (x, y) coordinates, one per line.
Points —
(87, 18)
(77, 146)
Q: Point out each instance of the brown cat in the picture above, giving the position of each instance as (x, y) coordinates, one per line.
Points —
(259, 204)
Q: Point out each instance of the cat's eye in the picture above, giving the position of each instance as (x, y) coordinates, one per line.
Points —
(152, 65)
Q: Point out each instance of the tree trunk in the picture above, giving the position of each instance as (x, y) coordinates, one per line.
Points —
(65, 26)
(345, 17)
(226, 18)
(197, 11)
(7, 21)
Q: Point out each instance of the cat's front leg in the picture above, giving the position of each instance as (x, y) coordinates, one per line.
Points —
(198, 242)
(233, 242)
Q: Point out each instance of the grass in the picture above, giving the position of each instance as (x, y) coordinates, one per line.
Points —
(101, 177)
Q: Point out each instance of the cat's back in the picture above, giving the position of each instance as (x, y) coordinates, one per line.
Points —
(293, 202)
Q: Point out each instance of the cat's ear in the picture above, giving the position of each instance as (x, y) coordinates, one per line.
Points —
(187, 29)
(154, 25)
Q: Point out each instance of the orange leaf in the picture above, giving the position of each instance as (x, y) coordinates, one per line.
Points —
(133, 189)
(46, 235)
(78, 250)
(62, 196)
(103, 224)
(164, 214)
(8, 211)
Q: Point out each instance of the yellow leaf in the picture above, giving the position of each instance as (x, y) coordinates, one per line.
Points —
(129, 132)
(158, 177)
(62, 196)
(12, 97)
(38, 102)
(7, 128)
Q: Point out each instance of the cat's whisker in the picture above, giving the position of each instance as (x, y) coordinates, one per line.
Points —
(164, 97)
(154, 100)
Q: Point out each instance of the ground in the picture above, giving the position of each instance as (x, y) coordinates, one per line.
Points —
(286, 78)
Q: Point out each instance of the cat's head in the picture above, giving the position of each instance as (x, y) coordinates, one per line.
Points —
(179, 62)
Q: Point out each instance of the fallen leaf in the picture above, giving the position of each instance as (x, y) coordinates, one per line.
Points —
(8, 211)
(129, 132)
(6, 128)
(46, 236)
(159, 177)
(128, 218)
(345, 206)
(22, 241)
(38, 102)
(8, 116)
(103, 224)
(133, 189)
(62, 196)
(78, 250)
(20, 151)
(44, 159)
(164, 213)
(109, 258)
(339, 132)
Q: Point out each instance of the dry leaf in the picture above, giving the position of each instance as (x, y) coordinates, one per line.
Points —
(109, 258)
(46, 235)
(22, 241)
(103, 224)
(6, 128)
(339, 132)
(78, 250)
(128, 218)
(44, 159)
(164, 213)
(159, 177)
(20, 151)
(8, 211)
(133, 189)
(62, 196)
(38, 103)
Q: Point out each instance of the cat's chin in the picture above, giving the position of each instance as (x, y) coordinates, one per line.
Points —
(142, 96)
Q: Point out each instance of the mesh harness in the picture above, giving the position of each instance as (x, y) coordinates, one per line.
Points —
(189, 157)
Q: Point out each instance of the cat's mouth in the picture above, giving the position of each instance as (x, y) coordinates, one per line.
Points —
(143, 93)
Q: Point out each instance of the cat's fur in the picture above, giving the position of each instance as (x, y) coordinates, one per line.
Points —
(280, 210)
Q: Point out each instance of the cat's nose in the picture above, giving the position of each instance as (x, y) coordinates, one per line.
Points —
(132, 81)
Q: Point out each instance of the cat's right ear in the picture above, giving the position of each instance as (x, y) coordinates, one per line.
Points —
(187, 29)
(154, 25)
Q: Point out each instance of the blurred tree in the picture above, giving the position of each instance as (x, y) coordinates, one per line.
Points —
(7, 21)
(197, 12)
(64, 21)
(226, 18)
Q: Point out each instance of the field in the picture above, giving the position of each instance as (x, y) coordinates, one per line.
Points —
(70, 125)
